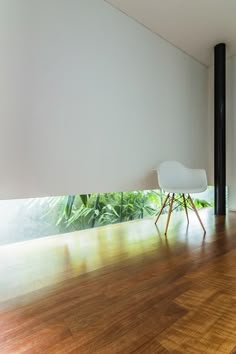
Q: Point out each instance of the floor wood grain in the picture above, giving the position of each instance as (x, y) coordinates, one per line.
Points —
(123, 289)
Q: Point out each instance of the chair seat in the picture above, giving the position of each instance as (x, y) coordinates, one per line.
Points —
(185, 191)
(176, 178)
(173, 177)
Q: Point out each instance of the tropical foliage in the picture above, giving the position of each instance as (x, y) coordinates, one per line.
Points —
(90, 210)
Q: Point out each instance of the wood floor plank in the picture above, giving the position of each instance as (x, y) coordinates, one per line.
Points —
(122, 289)
(209, 325)
(38, 341)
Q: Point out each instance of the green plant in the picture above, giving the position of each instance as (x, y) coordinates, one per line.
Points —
(90, 210)
(200, 203)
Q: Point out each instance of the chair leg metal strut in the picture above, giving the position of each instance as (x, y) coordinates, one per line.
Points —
(185, 204)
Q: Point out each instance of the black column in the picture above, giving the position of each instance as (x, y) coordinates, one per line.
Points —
(219, 129)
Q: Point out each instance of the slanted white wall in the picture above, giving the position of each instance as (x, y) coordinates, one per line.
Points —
(92, 101)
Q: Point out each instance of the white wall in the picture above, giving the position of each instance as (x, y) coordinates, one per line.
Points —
(231, 107)
(15, 101)
(92, 101)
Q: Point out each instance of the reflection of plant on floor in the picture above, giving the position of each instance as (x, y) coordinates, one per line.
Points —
(89, 210)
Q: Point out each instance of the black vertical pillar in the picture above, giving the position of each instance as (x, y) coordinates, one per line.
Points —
(219, 129)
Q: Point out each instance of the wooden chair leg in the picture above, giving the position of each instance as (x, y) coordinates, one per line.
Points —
(195, 209)
(185, 207)
(169, 213)
(163, 206)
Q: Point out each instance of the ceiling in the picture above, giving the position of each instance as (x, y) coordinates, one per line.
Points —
(194, 26)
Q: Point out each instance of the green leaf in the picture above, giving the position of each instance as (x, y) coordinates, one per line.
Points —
(69, 205)
(85, 198)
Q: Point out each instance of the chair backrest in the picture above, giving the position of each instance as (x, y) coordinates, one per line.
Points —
(177, 178)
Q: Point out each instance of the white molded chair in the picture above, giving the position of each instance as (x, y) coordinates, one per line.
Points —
(173, 177)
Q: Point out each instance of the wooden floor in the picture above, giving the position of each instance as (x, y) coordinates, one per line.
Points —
(122, 289)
